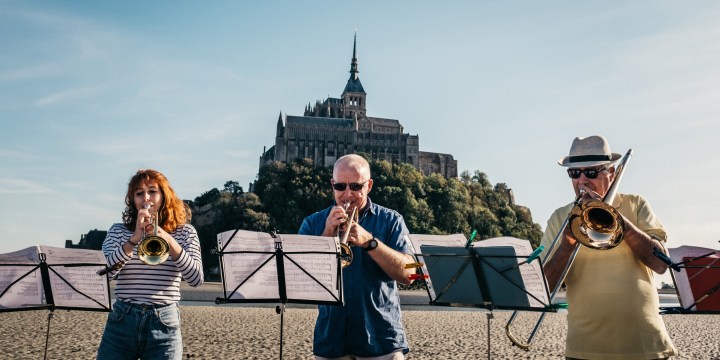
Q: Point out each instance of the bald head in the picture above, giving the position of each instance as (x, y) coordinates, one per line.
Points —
(352, 173)
(352, 162)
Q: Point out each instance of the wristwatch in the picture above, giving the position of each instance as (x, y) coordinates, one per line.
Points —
(372, 244)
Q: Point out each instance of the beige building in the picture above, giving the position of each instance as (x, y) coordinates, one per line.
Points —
(340, 126)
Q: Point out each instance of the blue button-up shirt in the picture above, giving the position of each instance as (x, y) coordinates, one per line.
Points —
(370, 322)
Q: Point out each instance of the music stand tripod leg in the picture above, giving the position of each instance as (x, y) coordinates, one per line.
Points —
(280, 309)
(47, 334)
(489, 317)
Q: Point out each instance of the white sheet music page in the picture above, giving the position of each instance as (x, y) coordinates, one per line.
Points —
(71, 282)
(531, 273)
(418, 240)
(26, 292)
(323, 267)
(254, 268)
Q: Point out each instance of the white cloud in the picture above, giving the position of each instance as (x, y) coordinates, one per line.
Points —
(30, 72)
(20, 186)
(69, 95)
(17, 155)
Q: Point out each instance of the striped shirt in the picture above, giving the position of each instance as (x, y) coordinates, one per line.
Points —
(138, 283)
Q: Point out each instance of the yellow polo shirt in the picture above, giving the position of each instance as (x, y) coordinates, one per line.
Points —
(613, 303)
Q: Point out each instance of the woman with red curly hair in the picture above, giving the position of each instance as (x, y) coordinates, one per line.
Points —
(145, 321)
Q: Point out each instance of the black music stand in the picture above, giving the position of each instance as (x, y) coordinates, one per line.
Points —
(63, 282)
(694, 263)
(482, 277)
(262, 249)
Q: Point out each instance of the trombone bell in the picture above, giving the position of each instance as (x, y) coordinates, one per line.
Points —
(597, 225)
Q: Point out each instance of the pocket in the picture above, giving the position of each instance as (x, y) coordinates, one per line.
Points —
(118, 313)
(169, 316)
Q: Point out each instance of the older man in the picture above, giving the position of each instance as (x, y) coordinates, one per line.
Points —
(369, 325)
(613, 303)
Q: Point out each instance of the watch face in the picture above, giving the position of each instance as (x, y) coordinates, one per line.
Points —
(372, 245)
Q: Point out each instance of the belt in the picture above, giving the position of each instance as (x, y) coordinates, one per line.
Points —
(145, 306)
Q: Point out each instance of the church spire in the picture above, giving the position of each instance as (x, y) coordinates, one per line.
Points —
(354, 64)
(353, 84)
(353, 97)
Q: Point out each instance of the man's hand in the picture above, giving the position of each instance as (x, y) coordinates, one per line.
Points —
(336, 218)
(359, 236)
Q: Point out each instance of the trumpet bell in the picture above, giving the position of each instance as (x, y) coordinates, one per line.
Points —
(597, 225)
(346, 255)
(153, 250)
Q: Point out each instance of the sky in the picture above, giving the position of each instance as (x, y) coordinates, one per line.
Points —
(92, 91)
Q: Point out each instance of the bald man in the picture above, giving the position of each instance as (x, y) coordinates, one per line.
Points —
(369, 325)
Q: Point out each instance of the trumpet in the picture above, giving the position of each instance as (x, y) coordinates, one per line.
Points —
(152, 249)
(596, 225)
(346, 255)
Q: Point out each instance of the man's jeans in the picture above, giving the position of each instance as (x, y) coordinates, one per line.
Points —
(142, 331)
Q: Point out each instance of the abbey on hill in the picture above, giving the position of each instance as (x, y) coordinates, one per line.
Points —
(340, 126)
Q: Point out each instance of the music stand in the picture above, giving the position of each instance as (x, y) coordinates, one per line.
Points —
(45, 277)
(306, 270)
(489, 277)
(696, 277)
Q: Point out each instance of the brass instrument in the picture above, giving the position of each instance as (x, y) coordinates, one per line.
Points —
(152, 249)
(595, 224)
(346, 254)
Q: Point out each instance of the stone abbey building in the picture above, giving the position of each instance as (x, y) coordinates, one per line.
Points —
(340, 126)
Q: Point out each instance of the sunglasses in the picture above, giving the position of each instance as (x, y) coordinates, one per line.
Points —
(589, 173)
(353, 186)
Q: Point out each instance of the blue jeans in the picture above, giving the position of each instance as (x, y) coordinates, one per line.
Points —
(141, 331)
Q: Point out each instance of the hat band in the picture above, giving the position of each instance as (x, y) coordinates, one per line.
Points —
(584, 158)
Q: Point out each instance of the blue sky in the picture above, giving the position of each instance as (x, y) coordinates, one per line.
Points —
(92, 91)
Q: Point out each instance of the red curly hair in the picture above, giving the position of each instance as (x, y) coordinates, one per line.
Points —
(173, 213)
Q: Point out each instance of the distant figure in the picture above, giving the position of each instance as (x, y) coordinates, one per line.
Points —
(145, 321)
(369, 325)
(613, 304)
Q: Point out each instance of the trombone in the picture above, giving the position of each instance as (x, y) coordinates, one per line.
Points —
(594, 224)
(152, 249)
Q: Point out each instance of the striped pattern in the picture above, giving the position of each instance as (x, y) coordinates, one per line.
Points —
(138, 283)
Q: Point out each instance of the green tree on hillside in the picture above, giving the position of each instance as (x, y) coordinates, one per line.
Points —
(285, 193)
(291, 191)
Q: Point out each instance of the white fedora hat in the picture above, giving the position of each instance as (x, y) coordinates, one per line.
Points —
(590, 151)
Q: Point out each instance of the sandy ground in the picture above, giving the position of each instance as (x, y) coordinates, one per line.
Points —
(253, 332)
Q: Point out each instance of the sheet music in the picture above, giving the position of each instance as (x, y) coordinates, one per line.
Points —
(681, 278)
(263, 284)
(86, 281)
(55, 255)
(418, 240)
(531, 273)
(240, 268)
(25, 256)
(321, 266)
(30, 292)
(26, 292)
